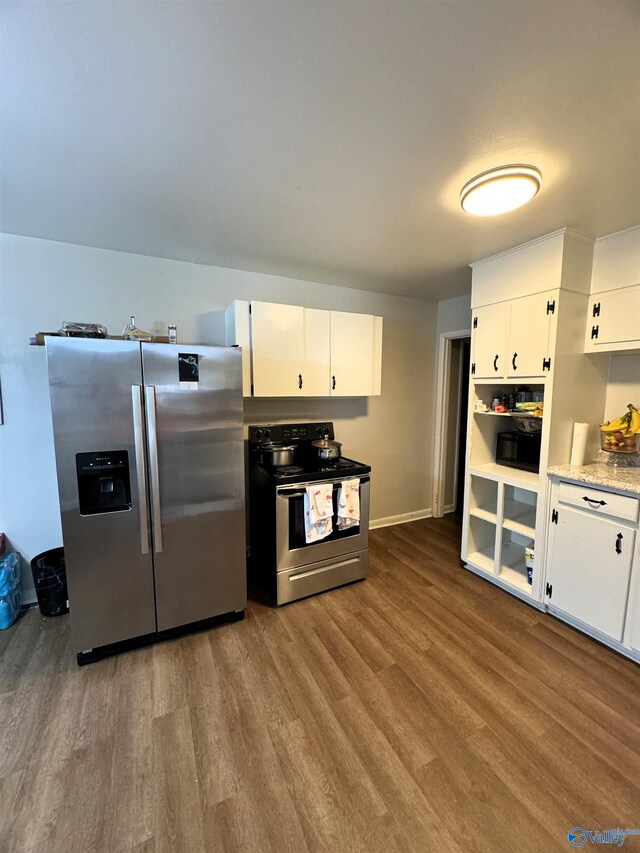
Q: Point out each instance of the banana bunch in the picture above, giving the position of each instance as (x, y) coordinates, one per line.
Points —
(620, 434)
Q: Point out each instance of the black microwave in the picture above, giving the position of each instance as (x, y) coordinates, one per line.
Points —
(519, 450)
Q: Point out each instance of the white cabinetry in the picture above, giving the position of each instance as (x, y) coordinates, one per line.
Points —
(355, 354)
(528, 306)
(291, 351)
(489, 340)
(613, 322)
(513, 339)
(528, 348)
(590, 560)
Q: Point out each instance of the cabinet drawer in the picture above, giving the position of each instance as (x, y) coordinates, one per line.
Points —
(598, 502)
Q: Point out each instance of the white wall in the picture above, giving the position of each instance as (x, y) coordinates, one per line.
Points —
(454, 315)
(43, 283)
(623, 386)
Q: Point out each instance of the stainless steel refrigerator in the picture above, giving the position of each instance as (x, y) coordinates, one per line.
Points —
(150, 460)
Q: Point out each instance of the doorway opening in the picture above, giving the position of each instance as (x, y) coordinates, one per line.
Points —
(452, 396)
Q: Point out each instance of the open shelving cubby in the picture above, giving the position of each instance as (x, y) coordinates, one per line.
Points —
(483, 502)
(519, 512)
(482, 544)
(502, 509)
(512, 563)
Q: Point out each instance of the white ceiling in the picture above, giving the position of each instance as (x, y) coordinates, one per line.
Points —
(321, 140)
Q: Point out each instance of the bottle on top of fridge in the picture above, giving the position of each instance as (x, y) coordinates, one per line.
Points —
(172, 331)
(132, 333)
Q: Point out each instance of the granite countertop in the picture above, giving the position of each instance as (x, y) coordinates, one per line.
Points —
(626, 479)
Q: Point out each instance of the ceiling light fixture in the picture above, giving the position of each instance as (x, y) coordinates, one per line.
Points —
(499, 190)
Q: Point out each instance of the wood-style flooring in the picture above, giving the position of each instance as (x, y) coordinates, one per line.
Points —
(421, 710)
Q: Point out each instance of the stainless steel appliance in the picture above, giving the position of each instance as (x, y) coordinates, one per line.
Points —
(149, 454)
(281, 561)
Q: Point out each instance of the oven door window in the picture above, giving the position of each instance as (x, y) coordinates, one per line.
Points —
(297, 537)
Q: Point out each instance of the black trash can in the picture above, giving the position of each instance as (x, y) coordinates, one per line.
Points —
(50, 579)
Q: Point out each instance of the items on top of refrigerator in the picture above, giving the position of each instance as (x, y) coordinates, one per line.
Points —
(132, 333)
(83, 330)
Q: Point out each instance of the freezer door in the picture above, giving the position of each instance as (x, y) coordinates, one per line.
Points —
(98, 426)
(193, 398)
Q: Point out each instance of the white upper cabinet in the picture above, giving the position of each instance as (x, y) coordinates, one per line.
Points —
(290, 351)
(277, 342)
(489, 340)
(512, 339)
(530, 323)
(562, 259)
(352, 354)
(613, 321)
(317, 330)
(616, 261)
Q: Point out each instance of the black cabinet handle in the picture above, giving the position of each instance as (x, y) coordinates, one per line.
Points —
(619, 539)
(333, 383)
(300, 381)
(594, 501)
(495, 363)
(513, 361)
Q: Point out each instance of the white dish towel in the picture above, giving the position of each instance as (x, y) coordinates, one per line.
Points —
(318, 511)
(349, 504)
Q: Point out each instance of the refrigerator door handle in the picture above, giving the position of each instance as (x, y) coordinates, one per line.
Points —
(141, 466)
(154, 475)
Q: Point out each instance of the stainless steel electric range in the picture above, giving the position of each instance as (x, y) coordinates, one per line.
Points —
(282, 562)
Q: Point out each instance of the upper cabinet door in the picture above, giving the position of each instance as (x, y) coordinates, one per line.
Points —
(352, 355)
(277, 344)
(615, 318)
(529, 332)
(317, 354)
(488, 341)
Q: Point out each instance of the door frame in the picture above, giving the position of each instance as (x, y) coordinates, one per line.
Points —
(443, 383)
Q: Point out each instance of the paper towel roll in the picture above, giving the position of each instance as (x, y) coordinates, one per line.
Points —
(579, 446)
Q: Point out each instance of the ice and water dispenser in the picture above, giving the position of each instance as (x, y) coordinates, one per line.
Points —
(103, 482)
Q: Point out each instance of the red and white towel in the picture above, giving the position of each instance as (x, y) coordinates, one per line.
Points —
(318, 511)
(349, 504)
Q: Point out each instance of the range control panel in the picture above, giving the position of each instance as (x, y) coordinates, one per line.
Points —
(259, 434)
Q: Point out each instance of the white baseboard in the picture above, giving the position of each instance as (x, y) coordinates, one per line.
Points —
(400, 519)
(449, 508)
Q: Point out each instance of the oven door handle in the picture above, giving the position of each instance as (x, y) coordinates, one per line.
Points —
(298, 493)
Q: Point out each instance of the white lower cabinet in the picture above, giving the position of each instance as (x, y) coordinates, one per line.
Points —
(591, 567)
